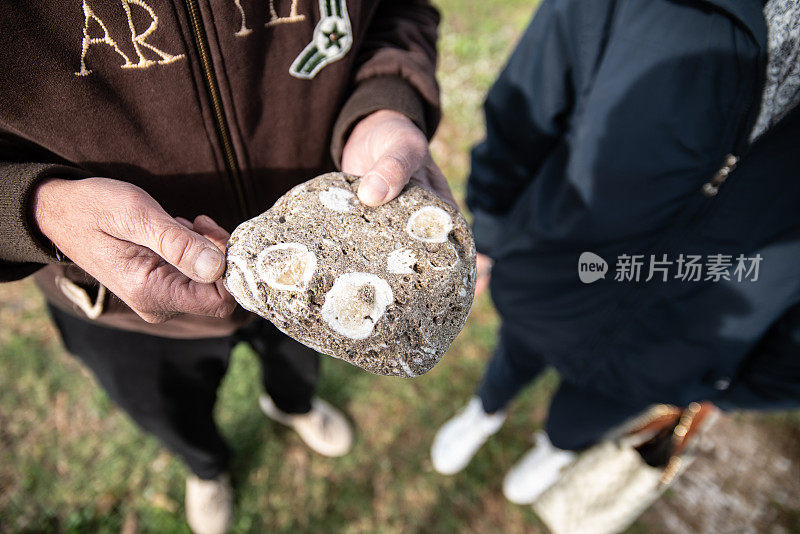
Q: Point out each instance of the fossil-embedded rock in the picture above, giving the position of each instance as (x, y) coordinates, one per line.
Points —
(387, 288)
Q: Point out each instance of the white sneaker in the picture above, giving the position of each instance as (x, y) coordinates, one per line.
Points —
(324, 429)
(539, 469)
(209, 504)
(460, 438)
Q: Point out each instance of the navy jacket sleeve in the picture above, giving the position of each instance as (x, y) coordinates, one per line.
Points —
(526, 113)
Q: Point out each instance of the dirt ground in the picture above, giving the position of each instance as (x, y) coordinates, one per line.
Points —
(746, 479)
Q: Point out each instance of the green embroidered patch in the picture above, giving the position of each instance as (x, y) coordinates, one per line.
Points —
(333, 37)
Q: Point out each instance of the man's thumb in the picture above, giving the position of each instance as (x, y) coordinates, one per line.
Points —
(192, 254)
(387, 178)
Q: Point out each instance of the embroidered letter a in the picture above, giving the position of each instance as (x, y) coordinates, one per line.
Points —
(138, 40)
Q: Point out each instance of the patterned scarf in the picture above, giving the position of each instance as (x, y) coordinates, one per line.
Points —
(782, 89)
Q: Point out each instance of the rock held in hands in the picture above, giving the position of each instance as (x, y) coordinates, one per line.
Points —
(386, 288)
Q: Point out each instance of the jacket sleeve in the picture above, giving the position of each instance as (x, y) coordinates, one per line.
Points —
(526, 113)
(23, 250)
(395, 69)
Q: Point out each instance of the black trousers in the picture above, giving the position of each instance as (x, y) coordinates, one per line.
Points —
(578, 416)
(169, 386)
(768, 379)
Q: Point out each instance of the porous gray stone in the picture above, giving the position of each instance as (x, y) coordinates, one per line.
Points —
(386, 288)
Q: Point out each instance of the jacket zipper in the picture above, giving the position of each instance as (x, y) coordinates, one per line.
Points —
(711, 188)
(201, 43)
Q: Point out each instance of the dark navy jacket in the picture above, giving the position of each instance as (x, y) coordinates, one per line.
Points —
(602, 130)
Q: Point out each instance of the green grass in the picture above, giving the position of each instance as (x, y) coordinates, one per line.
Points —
(71, 462)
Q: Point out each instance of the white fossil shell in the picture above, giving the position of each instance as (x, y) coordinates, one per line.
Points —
(430, 224)
(286, 266)
(337, 199)
(401, 261)
(355, 303)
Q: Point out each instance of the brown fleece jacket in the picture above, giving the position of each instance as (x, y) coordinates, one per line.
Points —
(213, 107)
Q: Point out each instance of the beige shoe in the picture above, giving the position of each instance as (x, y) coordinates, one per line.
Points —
(325, 429)
(209, 504)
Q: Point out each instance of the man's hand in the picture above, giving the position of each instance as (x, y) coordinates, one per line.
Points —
(483, 268)
(389, 150)
(161, 267)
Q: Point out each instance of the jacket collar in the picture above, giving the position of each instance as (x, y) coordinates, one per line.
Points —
(750, 13)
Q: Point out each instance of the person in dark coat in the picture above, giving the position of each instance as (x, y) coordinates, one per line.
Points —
(637, 192)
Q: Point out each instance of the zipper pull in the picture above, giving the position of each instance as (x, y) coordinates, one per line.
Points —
(711, 188)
